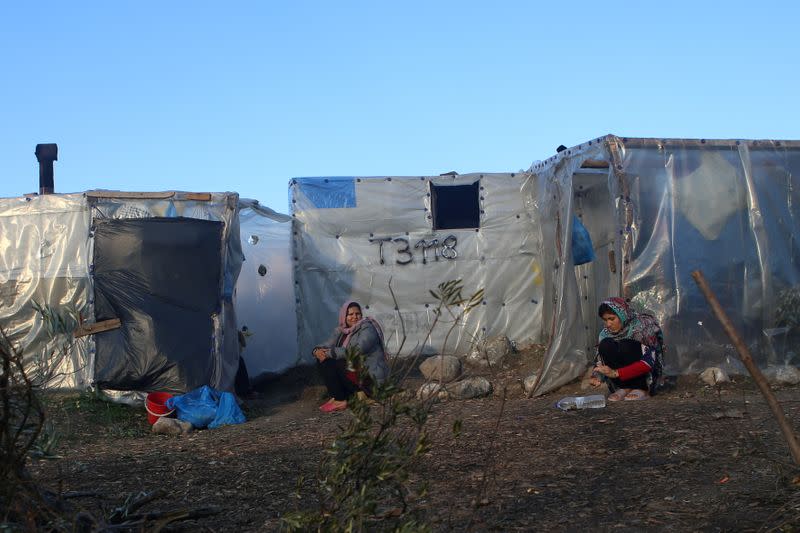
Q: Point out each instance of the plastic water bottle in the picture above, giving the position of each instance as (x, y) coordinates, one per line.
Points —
(594, 401)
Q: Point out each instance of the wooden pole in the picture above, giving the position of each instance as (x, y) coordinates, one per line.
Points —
(747, 359)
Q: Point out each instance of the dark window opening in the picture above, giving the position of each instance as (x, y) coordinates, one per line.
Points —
(456, 206)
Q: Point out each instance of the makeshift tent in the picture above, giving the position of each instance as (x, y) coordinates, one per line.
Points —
(357, 238)
(264, 302)
(163, 264)
(655, 210)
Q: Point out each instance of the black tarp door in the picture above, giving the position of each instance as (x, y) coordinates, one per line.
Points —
(161, 278)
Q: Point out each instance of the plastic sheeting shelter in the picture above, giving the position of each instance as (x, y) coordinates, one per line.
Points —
(265, 301)
(655, 209)
(165, 264)
(355, 236)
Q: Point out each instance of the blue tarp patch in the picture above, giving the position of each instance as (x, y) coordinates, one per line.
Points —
(582, 248)
(328, 193)
(206, 407)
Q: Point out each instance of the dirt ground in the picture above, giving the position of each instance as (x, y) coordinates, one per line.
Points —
(693, 458)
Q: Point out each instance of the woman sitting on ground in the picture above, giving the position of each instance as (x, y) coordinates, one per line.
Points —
(353, 331)
(629, 353)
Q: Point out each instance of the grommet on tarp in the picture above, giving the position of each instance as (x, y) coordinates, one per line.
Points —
(262, 270)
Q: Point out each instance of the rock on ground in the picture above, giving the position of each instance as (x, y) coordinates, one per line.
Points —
(442, 368)
(433, 391)
(490, 351)
(172, 426)
(714, 375)
(471, 388)
(782, 375)
(529, 383)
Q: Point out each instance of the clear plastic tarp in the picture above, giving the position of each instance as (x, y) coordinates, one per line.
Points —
(265, 306)
(661, 210)
(46, 255)
(44, 260)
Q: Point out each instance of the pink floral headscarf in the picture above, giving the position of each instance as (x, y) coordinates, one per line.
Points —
(347, 332)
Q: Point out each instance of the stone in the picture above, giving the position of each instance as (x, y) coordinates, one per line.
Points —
(529, 383)
(490, 351)
(477, 356)
(172, 426)
(714, 375)
(782, 375)
(444, 368)
(497, 349)
(471, 388)
(432, 391)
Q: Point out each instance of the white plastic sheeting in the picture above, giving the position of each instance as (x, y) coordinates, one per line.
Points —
(656, 209)
(370, 232)
(265, 300)
(46, 255)
(44, 258)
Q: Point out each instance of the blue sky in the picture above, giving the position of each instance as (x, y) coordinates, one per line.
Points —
(243, 96)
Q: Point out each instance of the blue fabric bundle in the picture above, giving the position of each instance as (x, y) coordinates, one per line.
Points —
(206, 407)
(582, 248)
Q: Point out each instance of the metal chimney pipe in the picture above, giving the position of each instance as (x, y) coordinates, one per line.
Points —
(46, 154)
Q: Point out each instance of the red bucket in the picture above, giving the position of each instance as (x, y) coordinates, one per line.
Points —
(155, 403)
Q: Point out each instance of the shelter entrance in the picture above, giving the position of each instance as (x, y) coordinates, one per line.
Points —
(600, 278)
(161, 277)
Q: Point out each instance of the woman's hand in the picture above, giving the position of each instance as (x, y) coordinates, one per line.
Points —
(321, 354)
(594, 381)
(606, 371)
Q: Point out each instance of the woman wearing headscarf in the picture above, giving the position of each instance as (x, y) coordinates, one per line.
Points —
(353, 332)
(629, 353)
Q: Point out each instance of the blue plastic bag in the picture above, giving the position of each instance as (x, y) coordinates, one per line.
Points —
(206, 407)
(582, 248)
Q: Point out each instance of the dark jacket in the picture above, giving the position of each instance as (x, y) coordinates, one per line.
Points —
(368, 340)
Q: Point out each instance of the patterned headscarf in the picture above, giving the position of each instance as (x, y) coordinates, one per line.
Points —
(640, 327)
(348, 332)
